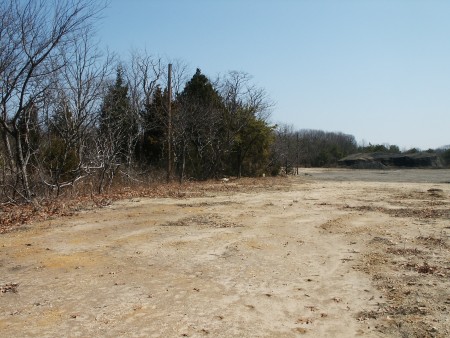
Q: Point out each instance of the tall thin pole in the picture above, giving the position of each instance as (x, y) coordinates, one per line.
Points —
(297, 154)
(169, 124)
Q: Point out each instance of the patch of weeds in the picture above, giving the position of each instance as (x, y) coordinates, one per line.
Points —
(207, 220)
(432, 241)
(421, 213)
(424, 268)
(404, 251)
(9, 287)
(205, 204)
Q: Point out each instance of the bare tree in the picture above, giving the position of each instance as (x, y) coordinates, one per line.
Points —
(244, 103)
(308, 147)
(285, 146)
(34, 33)
(78, 92)
(180, 75)
(108, 153)
(144, 75)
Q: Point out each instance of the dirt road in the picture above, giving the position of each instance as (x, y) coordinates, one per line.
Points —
(322, 254)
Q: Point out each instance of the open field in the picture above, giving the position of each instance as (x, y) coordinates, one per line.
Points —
(328, 253)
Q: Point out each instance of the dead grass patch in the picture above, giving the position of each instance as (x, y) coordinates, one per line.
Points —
(205, 221)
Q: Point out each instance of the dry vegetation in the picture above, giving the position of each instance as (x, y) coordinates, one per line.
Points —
(14, 215)
(408, 260)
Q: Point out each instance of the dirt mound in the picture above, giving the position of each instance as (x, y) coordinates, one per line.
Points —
(385, 160)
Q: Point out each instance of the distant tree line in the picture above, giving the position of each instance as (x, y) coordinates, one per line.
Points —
(381, 148)
(310, 148)
(316, 148)
(72, 117)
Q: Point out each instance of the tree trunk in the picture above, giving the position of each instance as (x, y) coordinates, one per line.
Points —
(183, 164)
(239, 162)
(9, 153)
(22, 165)
(102, 180)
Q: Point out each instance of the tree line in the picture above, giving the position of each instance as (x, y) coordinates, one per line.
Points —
(310, 148)
(70, 114)
(73, 117)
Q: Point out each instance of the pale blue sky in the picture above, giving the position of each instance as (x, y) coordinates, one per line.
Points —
(376, 69)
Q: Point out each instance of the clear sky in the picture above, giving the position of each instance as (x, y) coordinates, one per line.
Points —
(376, 69)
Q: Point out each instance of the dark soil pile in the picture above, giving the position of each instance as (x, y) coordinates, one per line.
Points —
(386, 160)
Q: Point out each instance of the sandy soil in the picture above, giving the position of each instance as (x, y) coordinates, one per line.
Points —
(328, 253)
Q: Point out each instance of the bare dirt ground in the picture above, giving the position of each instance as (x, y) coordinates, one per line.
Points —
(328, 253)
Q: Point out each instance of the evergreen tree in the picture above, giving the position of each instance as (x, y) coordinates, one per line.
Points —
(200, 128)
(251, 148)
(154, 117)
(200, 91)
(117, 123)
